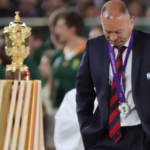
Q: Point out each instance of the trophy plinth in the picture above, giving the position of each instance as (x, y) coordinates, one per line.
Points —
(17, 37)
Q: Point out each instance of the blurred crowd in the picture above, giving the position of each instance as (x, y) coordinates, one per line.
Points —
(55, 60)
(88, 8)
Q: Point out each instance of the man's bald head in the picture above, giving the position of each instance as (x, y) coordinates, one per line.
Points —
(114, 8)
(116, 22)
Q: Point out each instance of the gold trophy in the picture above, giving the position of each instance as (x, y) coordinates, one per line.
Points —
(17, 37)
(21, 124)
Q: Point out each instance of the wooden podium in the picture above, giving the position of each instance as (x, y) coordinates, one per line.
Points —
(21, 125)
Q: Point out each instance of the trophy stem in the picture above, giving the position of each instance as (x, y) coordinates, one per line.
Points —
(17, 75)
(17, 61)
(16, 70)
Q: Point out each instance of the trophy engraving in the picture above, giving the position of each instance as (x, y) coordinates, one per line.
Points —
(17, 37)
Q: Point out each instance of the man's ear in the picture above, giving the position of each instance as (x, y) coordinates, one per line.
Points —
(132, 21)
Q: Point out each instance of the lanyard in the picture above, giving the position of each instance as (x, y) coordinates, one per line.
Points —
(119, 83)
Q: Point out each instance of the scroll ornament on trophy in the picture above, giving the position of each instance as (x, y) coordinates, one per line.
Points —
(21, 125)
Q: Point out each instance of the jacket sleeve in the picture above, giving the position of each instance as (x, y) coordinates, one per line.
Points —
(85, 91)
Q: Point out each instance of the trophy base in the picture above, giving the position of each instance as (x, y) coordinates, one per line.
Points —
(17, 75)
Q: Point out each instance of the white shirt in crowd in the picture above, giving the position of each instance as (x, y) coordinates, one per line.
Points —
(67, 133)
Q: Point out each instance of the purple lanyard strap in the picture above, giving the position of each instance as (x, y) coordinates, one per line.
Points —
(119, 83)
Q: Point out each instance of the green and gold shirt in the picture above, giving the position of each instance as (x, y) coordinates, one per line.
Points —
(64, 72)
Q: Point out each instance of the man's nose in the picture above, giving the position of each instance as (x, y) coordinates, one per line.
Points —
(113, 36)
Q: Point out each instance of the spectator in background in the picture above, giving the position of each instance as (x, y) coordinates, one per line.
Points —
(2, 67)
(148, 12)
(80, 4)
(99, 4)
(36, 40)
(126, 1)
(48, 111)
(70, 31)
(7, 8)
(89, 10)
(52, 41)
(95, 31)
(2, 72)
(45, 69)
(136, 8)
(49, 6)
(28, 8)
(33, 69)
(2, 57)
(147, 2)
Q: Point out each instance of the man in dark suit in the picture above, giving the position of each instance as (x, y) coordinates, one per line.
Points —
(116, 69)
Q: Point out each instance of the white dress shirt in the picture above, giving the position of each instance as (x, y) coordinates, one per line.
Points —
(132, 118)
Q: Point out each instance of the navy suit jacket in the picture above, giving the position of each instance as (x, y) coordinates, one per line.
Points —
(94, 73)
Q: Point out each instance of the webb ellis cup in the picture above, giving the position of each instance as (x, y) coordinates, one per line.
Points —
(21, 125)
(17, 36)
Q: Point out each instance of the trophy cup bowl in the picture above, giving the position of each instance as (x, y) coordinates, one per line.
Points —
(17, 48)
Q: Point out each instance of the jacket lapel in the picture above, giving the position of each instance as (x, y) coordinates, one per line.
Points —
(104, 65)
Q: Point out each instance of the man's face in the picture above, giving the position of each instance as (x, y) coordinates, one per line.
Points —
(62, 31)
(118, 30)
